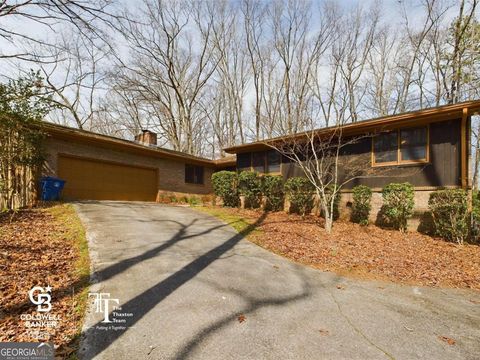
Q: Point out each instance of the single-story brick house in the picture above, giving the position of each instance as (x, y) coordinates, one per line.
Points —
(99, 167)
(428, 148)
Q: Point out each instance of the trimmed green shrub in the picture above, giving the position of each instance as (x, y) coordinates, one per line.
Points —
(475, 219)
(272, 188)
(300, 194)
(362, 197)
(450, 214)
(225, 186)
(398, 203)
(250, 186)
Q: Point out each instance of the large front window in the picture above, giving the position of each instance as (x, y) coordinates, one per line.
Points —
(402, 146)
(262, 162)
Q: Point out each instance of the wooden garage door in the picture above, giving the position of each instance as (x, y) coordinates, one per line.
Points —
(98, 180)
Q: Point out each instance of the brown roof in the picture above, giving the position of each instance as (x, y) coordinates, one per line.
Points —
(68, 133)
(226, 161)
(437, 113)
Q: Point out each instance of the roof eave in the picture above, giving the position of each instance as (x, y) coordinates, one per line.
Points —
(444, 112)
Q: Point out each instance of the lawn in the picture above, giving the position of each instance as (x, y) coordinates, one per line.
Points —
(367, 252)
(44, 247)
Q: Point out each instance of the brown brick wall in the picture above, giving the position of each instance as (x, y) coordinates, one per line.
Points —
(171, 172)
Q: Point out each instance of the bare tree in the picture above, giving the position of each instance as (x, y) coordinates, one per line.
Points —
(86, 16)
(172, 61)
(253, 15)
(74, 77)
(318, 154)
(455, 61)
(232, 75)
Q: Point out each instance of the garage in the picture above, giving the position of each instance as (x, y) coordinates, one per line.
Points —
(92, 179)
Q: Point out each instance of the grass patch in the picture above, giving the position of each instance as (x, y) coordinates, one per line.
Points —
(74, 232)
(241, 223)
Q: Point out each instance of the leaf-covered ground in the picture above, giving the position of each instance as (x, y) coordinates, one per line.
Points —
(363, 251)
(44, 247)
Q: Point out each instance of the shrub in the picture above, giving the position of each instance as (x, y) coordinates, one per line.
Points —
(225, 186)
(475, 220)
(300, 194)
(272, 188)
(362, 197)
(450, 214)
(398, 202)
(250, 186)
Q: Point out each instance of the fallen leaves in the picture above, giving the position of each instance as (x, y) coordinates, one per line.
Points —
(366, 251)
(241, 318)
(323, 332)
(36, 248)
(340, 287)
(446, 339)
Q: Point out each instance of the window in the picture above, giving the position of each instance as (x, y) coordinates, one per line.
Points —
(386, 147)
(262, 162)
(193, 174)
(401, 146)
(273, 161)
(244, 162)
(258, 162)
(413, 144)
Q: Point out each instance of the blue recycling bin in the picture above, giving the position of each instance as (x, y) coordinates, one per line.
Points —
(51, 188)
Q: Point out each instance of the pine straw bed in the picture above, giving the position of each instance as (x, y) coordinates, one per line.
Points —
(367, 252)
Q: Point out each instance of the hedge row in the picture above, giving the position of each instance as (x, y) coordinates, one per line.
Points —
(229, 186)
(448, 208)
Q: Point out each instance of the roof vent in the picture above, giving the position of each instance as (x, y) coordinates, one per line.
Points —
(147, 137)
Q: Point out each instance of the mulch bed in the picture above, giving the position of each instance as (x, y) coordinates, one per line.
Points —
(368, 251)
(36, 248)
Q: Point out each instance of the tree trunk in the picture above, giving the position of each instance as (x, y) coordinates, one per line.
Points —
(328, 216)
(328, 224)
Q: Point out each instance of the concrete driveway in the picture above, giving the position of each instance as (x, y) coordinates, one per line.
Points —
(184, 282)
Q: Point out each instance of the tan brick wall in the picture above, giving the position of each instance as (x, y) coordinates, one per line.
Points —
(421, 206)
(171, 172)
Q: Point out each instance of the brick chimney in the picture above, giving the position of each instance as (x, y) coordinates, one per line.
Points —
(147, 137)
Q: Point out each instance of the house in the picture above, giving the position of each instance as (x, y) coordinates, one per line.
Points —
(99, 167)
(428, 148)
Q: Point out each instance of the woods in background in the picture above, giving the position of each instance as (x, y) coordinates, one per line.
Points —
(211, 74)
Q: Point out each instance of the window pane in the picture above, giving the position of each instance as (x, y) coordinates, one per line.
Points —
(386, 147)
(258, 162)
(243, 162)
(189, 174)
(273, 161)
(413, 143)
(198, 174)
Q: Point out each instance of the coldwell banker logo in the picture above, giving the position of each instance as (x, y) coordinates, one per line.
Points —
(41, 297)
(40, 325)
